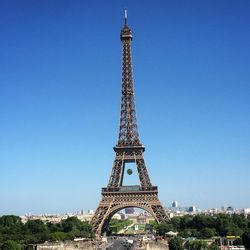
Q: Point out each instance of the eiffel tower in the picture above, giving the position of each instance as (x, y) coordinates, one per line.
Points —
(115, 196)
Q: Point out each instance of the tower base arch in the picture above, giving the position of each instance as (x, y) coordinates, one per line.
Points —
(112, 202)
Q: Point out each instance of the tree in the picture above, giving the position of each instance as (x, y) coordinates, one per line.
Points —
(37, 231)
(185, 233)
(201, 221)
(71, 223)
(175, 243)
(175, 221)
(154, 224)
(240, 221)
(198, 245)
(54, 227)
(222, 223)
(163, 228)
(11, 245)
(213, 247)
(35, 226)
(234, 230)
(58, 236)
(186, 222)
(207, 233)
(86, 230)
(11, 225)
(246, 239)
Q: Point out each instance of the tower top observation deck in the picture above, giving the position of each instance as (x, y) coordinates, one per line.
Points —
(126, 32)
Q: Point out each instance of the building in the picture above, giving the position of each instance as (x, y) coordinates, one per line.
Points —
(175, 204)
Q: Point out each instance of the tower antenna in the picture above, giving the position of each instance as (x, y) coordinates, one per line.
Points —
(126, 16)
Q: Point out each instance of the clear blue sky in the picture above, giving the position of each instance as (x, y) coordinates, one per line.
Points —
(60, 75)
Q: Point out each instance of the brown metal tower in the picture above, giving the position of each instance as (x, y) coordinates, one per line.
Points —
(128, 149)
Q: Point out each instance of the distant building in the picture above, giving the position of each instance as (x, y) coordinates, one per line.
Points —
(192, 209)
(175, 204)
(246, 211)
(122, 215)
(141, 219)
(230, 209)
(117, 216)
(224, 208)
(90, 211)
(129, 210)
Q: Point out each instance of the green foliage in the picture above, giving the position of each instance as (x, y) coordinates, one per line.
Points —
(71, 224)
(185, 233)
(175, 243)
(246, 239)
(163, 228)
(58, 236)
(234, 230)
(73, 227)
(202, 221)
(222, 224)
(117, 225)
(207, 233)
(13, 233)
(198, 245)
(35, 227)
(202, 245)
(37, 230)
(213, 247)
(154, 224)
(176, 221)
(10, 221)
(205, 227)
(201, 226)
(54, 227)
(185, 222)
(10, 228)
(240, 221)
(11, 245)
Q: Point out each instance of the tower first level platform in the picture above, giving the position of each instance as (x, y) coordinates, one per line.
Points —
(116, 199)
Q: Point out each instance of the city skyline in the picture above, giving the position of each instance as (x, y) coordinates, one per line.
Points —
(60, 101)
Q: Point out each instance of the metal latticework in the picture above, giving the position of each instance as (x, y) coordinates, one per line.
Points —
(112, 202)
(128, 149)
(128, 133)
(129, 154)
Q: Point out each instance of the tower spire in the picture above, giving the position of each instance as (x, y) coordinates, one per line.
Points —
(125, 17)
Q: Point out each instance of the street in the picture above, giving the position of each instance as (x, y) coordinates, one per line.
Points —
(121, 243)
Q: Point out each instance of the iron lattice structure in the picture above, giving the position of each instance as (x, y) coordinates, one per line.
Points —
(128, 149)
